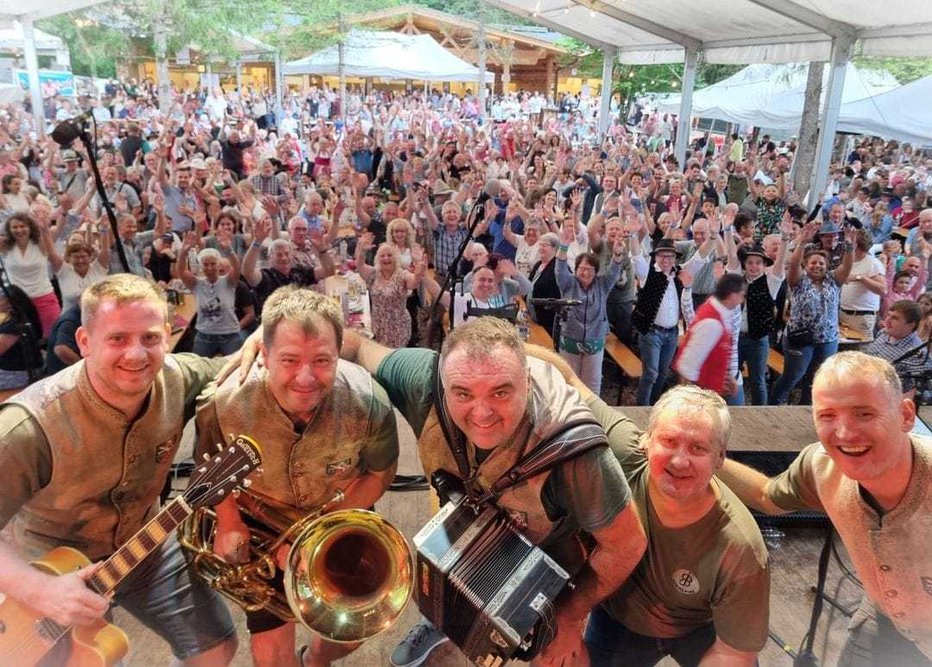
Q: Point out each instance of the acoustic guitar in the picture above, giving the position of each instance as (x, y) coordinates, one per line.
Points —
(28, 639)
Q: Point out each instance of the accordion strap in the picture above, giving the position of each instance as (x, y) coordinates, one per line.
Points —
(455, 438)
(572, 440)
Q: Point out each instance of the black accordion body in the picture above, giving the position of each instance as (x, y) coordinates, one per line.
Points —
(484, 584)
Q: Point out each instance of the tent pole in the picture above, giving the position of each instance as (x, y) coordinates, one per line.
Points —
(828, 121)
(686, 106)
(481, 93)
(32, 69)
(608, 62)
(279, 78)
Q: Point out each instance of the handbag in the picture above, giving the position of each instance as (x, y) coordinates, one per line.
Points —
(800, 337)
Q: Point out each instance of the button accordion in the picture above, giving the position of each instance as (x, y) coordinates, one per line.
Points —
(485, 585)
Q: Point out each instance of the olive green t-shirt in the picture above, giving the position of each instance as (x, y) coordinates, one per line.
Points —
(713, 571)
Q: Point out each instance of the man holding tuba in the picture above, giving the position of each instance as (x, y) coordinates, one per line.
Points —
(506, 404)
(325, 427)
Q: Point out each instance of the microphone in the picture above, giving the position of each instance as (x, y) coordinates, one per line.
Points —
(493, 188)
(555, 303)
(67, 131)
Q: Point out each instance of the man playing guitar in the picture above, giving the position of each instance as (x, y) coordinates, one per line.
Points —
(84, 455)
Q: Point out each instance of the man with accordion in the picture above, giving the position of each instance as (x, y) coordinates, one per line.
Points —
(497, 408)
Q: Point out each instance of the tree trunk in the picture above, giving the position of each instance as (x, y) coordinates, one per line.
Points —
(341, 71)
(163, 83)
(809, 132)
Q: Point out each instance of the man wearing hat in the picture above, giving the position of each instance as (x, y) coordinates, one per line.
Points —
(765, 277)
(829, 234)
(656, 313)
(72, 179)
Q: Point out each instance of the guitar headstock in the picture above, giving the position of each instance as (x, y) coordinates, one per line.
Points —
(217, 476)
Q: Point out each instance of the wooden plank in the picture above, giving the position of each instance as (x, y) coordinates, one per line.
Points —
(775, 361)
(621, 354)
(778, 428)
(539, 335)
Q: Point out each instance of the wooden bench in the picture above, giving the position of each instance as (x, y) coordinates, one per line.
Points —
(627, 361)
(775, 362)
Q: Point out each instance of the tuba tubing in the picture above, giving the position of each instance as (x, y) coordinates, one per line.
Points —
(348, 574)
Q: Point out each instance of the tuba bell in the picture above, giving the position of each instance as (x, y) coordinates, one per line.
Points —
(348, 573)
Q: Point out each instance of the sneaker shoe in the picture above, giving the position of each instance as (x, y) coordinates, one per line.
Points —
(417, 646)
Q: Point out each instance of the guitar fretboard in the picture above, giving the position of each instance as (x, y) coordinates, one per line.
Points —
(127, 557)
(140, 545)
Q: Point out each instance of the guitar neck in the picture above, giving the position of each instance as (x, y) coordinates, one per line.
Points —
(140, 545)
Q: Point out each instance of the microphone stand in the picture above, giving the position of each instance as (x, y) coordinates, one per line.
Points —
(80, 128)
(449, 283)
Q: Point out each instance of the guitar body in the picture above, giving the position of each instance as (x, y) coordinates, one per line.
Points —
(22, 643)
(31, 640)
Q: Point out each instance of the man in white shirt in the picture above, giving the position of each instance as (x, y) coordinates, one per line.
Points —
(657, 311)
(860, 296)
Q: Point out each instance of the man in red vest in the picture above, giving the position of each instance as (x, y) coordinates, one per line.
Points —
(705, 357)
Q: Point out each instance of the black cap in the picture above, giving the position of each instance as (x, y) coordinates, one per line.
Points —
(754, 249)
(665, 245)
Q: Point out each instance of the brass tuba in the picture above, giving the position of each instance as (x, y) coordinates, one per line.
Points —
(348, 573)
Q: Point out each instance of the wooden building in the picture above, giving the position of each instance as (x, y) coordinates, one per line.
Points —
(519, 60)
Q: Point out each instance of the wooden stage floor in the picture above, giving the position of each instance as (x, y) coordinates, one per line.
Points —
(794, 557)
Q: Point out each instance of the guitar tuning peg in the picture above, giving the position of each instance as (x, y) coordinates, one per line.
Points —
(235, 493)
(205, 456)
(247, 483)
(260, 470)
(221, 492)
(219, 446)
(202, 470)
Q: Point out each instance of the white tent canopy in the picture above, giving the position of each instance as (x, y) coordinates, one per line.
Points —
(388, 55)
(741, 32)
(772, 96)
(27, 13)
(736, 31)
(11, 37)
(902, 113)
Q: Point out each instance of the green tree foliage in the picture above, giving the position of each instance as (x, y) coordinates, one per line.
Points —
(304, 27)
(470, 9)
(905, 70)
(92, 44)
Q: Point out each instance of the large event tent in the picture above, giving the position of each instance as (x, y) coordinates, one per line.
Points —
(903, 114)
(772, 96)
(740, 32)
(388, 55)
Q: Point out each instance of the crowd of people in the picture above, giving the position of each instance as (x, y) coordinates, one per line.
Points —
(703, 268)
(231, 196)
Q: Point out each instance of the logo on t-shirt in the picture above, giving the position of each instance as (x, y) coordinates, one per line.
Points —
(685, 582)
